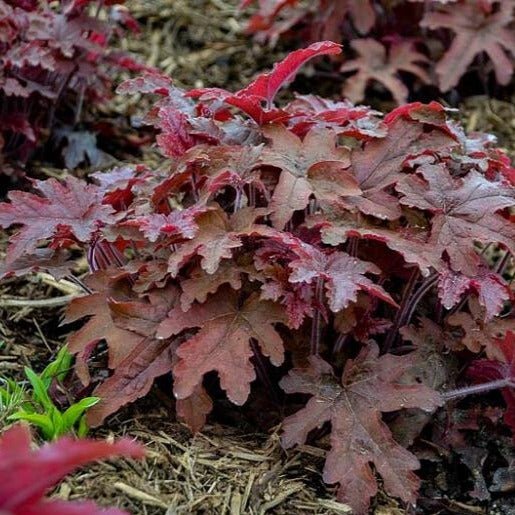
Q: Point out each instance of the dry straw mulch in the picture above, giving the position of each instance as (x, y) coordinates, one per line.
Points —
(220, 471)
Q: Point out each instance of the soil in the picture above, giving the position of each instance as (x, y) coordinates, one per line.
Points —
(228, 468)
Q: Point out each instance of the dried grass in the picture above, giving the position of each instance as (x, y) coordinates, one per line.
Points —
(220, 471)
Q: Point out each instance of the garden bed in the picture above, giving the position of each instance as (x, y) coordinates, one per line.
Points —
(232, 466)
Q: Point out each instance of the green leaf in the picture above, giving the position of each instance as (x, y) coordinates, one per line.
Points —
(75, 411)
(58, 368)
(58, 423)
(42, 421)
(12, 396)
(83, 429)
(40, 390)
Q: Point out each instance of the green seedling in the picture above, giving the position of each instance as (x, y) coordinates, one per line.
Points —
(35, 406)
(12, 395)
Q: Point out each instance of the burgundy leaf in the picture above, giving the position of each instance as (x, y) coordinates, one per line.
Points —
(477, 30)
(222, 343)
(483, 370)
(71, 205)
(491, 289)
(344, 276)
(379, 163)
(217, 236)
(265, 87)
(369, 385)
(37, 471)
(464, 210)
(314, 166)
(140, 356)
(478, 332)
(375, 64)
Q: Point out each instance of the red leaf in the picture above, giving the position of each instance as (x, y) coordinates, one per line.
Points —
(174, 138)
(36, 471)
(217, 236)
(71, 205)
(369, 385)
(200, 284)
(265, 87)
(121, 15)
(222, 343)
(12, 87)
(479, 334)
(136, 355)
(232, 165)
(337, 226)
(194, 409)
(379, 164)
(297, 299)
(101, 325)
(490, 287)
(314, 166)
(375, 64)
(148, 83)
(52, 262)
(179, 224)
(133, 377)
(477, 31)
(344, 276)
(344, 118)
(464, 210)
(332, 14)
(268, 17)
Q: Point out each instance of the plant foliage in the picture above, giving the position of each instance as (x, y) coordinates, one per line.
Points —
(395, 42)
(55, 61)
(27, 474)
(316, 240)
(35, 405)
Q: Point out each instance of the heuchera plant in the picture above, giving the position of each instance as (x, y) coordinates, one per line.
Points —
(316, 240)
(394, 40)
(27, 474)
(53, 62)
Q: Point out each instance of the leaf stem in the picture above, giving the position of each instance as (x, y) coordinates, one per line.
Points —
(353, 246)
(475, 389)
(238, 200)
(252, 195)
(404, 306)
(315, 324)
(501, 265)
(262, 371)
(340, 343)
(425, 287)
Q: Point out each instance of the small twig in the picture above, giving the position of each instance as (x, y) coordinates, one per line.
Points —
(63, 285)
(37, 303)
(41, 335)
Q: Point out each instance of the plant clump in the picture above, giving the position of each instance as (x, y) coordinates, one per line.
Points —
(319, 250)
(56, 61)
